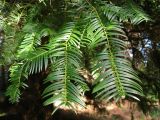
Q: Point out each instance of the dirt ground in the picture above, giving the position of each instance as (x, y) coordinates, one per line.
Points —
(105, 111)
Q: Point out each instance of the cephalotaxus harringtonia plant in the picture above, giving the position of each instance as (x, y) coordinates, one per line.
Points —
(64, 37)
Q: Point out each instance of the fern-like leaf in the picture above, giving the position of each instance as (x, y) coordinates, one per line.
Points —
(17, 76)
(37, 61)
(28, 45)
(65, 82)
(126, 13)
(115, 72)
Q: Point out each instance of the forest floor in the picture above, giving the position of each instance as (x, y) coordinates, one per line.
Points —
(97, 111)
(108, 111)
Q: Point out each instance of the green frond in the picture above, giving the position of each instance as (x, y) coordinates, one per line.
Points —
(37, 61)
(66, 85)
(126, 13)
(16, 17)
(117, 78)
(17, 76)
(113, 69)
(28, 45)
(32, 39)
(135, 14)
